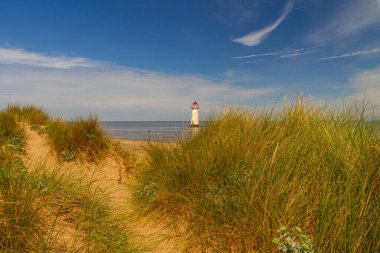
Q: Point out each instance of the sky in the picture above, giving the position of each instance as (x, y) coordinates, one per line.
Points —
(150, 59)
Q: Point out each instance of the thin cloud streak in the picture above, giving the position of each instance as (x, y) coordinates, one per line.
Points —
(299, 53)
(257, 55)
(256, 37)
(286, 53)
(20, 56)
(352, 54)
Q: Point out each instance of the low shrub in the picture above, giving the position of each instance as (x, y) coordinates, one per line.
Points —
(39, 129)
(293, 241)
(17, 144)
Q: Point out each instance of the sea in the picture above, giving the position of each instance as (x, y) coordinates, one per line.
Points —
(147, 130)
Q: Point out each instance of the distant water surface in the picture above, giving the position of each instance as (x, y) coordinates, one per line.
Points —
(141, 130)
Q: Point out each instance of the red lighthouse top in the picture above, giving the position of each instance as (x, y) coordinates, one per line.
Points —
(195, 105)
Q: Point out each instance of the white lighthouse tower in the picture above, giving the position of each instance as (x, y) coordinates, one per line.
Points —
(194, 115)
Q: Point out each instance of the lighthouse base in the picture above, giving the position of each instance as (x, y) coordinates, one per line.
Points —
(194, 126)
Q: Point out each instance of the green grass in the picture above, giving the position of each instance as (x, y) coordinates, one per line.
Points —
(80, 137)
(246, 174)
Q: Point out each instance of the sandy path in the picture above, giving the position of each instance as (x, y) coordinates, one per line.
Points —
(110, 176)
(37, 149)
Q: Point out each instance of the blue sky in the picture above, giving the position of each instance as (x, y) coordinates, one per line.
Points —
(148, 60)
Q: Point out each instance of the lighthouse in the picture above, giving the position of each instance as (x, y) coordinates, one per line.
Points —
(194, 115)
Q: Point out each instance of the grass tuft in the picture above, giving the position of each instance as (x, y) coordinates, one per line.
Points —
(11, 135)
(247, 173)
(21, 228)
(29, 114)
(9, 126)
(79, 137)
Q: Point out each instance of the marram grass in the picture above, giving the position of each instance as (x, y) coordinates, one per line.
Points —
(78, 137)
(11, 134)
(45, 209)
(9, 126)
(247, 174)
(48, 209)
(30, 114)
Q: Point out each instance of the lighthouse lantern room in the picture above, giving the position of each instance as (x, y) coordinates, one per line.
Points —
(194, 115)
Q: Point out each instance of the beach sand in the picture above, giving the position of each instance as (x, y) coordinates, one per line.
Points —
(108, 174)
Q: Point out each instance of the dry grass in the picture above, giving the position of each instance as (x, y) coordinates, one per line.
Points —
(29, 114)
(48, 209)
(82, 137)
(41, 205)
(247, 173)
(9, 126)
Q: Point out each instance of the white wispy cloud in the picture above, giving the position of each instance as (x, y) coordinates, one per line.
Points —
(365, 85)
(352, 17)
(286, 53)
(299, 53)
(121, 93)
(258, 55)
(352, 54)
(20, 56)
(362, 86)
(256, 37)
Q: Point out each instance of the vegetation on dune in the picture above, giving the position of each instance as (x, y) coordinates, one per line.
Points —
(39, 129)
(18, 200)
(9, 126)
(238, 184)
(46, 209)
(39, 205)
(21, 228)
(29, 114)
(245, 175)
(11, 134)
(81, 136)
